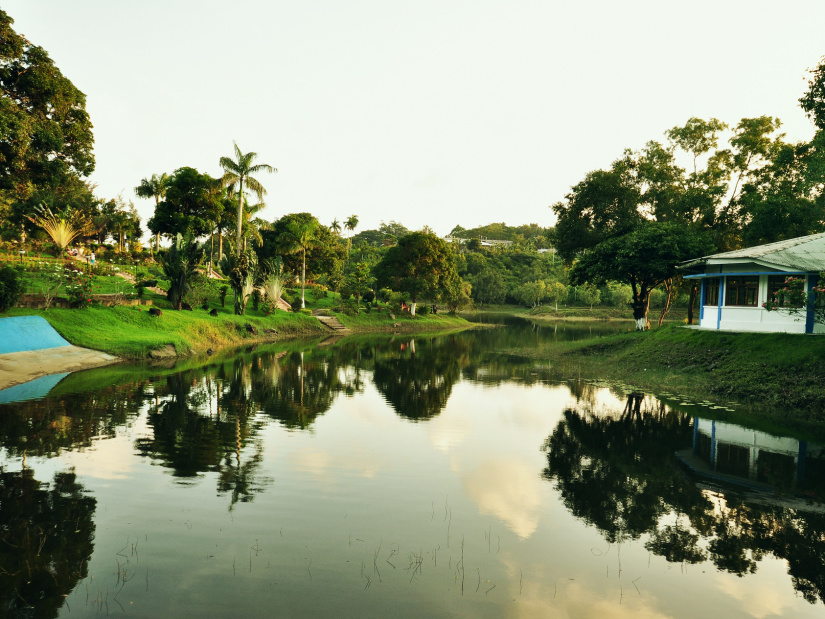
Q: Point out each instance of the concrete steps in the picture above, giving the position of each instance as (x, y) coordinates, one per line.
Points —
(331, 323)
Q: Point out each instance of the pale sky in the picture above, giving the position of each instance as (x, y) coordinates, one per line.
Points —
(427, 112)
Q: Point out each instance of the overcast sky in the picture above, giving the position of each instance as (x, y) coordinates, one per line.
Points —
(434, 113)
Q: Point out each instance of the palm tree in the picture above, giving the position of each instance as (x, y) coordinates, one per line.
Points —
(154, 187)
(335, 226)
(300, 237)
(235, 174)
(351, 223)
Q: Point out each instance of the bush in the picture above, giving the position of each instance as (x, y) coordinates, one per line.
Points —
(78, 285)
(368, 296)
(11, 287)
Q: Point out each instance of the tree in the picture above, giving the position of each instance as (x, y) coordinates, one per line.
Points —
(643, 258)
(357, 281)
(457, 294)
(241, 268)
(191, 205)
(555, 291)
(180, 263)
(603, 205)
(321, 257)
(236, 173)
(813, 101)
(45, 132)
(335, 226)
(421, 265)
(531, 293)
(154, 187)
(489, 287)
(298, 238)
(351, 223)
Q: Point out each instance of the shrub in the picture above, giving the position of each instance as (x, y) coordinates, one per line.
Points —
(78, 285)
(11, 287)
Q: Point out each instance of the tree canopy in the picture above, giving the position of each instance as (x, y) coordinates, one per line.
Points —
(192, 204)
(421, 265)
(643, 258)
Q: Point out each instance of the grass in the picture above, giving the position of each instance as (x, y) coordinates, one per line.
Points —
(130, 332)
(779, 377)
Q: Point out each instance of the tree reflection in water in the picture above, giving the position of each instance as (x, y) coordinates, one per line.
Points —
(618, 472)
(46, 541)
(416, 377)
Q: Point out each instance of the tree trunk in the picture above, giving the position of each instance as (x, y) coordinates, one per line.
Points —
(303, 278)
(240, 216)
(412, 308)
(668, 284)
(639, 306)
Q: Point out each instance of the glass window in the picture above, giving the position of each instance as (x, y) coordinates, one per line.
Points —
(712, 291)
(741, 291)
(775, 283)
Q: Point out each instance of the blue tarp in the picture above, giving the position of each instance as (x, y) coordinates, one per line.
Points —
(21, 333)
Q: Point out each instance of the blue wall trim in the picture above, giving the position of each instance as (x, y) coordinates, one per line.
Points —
(809, 314)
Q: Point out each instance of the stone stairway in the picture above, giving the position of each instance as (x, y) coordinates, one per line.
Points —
(331, 322)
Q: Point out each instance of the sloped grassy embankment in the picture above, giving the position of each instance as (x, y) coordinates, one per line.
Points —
(132, 333)
(776, 377)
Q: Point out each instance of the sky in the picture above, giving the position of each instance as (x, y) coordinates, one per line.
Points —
(432, 112)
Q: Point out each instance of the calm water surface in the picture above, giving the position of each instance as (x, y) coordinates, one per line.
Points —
(406, 476)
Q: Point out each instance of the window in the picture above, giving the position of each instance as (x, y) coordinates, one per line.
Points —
(741, 291)
(775, 283)
(712, 291)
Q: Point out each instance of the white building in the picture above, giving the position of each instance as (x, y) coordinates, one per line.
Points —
(735, 284)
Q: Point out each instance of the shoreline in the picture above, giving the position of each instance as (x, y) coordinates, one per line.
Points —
(18, 368)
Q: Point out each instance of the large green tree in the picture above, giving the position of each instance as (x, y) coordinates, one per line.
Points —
(192, 204)
(643, 258)
(45, 133)
(421, 265)
(237, 174)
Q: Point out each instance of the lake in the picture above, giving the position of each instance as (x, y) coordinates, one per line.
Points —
(405, 476)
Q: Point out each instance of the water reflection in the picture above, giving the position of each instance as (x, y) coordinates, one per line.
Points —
(294, 468)
(46, 540)
(618, 471)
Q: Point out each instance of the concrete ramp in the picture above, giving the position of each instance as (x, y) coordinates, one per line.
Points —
(21, 333)
(31, 349)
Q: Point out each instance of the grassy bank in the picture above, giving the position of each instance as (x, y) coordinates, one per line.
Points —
(132, 333)
(777, 377)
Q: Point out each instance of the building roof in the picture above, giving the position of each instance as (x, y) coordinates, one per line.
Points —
(804, 253)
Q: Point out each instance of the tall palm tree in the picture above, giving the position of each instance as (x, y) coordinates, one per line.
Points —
(300, 237)
(351, 223)
(335, 226)
(236, 173)
(154, 187)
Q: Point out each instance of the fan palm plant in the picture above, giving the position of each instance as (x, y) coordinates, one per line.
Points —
(63, 228)
(236, 173)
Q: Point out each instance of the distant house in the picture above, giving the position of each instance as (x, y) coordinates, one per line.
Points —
(735, 284)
